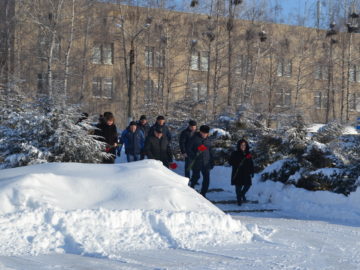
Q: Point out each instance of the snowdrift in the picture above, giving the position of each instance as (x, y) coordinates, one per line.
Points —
(99, 210)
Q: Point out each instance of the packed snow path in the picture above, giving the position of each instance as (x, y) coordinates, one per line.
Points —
(291, 244)
(76, 219)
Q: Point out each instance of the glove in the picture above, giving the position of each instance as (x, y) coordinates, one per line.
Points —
(118, 153)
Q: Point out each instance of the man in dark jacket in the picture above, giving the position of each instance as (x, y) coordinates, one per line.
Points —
(160, 122)
(242, 170)
(199, 149)
(133, 139)
(144, 126)
(107, 132)
(184, 140)
(158, 147)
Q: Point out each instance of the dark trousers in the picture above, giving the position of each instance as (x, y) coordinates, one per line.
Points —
(206, 179)
(241, 191)
(187, 170)
(131, 158)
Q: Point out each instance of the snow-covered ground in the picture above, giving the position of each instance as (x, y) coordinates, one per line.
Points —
(144, 216)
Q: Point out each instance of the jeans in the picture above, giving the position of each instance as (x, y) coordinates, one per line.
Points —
(241, 191)
(206, 179)
(131, 157)
(187, 164)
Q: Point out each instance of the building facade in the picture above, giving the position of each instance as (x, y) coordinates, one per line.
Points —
(106, 56)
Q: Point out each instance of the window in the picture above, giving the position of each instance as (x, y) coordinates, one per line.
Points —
(199, 61)
(204, 61)
(56, 49)
(354, 102)
(149, 56)
(103, 53)
(198, 91)
(107, 88)
(96, 87)
(154, 58)
(102, 87)
(284, 68)
(320, 100)
(107, 54)
(354, 73)
(283, 98)
(160, 59)
(149, 88)
(96, 57)
(195, 61)
(244, 65)
(41, 81)
(321, 72)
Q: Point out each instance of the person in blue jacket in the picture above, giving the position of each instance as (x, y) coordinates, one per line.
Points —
(133, 139)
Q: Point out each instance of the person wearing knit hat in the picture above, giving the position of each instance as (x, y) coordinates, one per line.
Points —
(134, 140)
(160, 122)
(144, 126)
(158, 147)
(184, 140)
(201, 156)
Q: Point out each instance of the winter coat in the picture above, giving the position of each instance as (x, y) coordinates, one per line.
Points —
(144, 128)
(165, 131)
(159, 149)
(184, 139)
(133, 141)
(242, 168)
(108, 134)
(200, 159)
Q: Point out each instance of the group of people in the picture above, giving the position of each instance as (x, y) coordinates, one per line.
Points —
(142, 140)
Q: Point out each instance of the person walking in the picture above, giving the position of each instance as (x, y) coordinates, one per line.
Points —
(107, 132)
(200, 152)
(184, 140)
(133, 139)
(158, 147)
(144, 126)
(160, 122)
(242, 170)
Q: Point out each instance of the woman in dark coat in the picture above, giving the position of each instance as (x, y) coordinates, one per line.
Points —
(107, 132)
(242, 170)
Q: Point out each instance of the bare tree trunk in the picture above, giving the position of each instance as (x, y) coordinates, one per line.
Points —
(52, 47)
(68, 51)
(230, 53)
(84, 61)
(270, 81)
(348, 80)
(343, 82)
(329, 90)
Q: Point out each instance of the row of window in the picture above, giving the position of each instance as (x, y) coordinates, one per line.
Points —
(104, 54)
(103, 87)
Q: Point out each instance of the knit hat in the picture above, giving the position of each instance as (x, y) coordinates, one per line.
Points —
(205, 129)
(132, 123)
(192, 123)
(143, 117)
(160, 117)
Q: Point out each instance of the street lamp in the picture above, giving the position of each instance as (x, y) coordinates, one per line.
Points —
(131, 65)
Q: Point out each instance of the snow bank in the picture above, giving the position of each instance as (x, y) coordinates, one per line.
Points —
(99, 210)
(218, 132)
(295, 202)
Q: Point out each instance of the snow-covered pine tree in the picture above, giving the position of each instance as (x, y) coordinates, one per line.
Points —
(44, 131)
